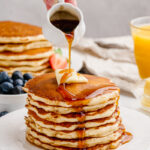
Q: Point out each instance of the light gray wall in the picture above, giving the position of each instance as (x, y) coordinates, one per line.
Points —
(112, 17)
(103, 17)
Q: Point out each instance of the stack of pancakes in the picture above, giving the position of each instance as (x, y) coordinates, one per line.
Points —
(24, 48)
(75, 116)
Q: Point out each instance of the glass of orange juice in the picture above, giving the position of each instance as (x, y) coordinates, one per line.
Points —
(140, 29)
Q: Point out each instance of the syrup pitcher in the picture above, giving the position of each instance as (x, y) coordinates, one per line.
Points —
(64, 18)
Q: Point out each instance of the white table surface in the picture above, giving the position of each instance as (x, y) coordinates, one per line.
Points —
(132, 103)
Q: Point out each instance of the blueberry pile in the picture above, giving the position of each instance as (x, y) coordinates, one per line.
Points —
(14, 84)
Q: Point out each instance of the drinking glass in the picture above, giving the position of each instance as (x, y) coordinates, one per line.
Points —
(140, 29)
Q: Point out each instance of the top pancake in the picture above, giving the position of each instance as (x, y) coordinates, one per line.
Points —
(45, 86)
(15, 32)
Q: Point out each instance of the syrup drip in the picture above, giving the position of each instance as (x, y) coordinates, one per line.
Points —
(67, 95)
(66, 70)
(69, 37)
(100, 91)
(117, 102)
(126, 137)
(81, 130)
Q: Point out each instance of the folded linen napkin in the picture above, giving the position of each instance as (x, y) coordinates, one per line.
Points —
(112, 58)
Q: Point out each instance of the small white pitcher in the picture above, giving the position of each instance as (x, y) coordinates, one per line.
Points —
(56, 36)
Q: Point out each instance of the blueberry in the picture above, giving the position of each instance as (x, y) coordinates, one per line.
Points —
(3, 113)
(27, 76)
(17, 90)
(3, 76)
(18, 82)
(6, 87)
(17, 75)
(1, 92)
(10, 80)
(25, 81)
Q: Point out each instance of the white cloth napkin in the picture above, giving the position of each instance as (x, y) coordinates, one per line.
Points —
(114, 59)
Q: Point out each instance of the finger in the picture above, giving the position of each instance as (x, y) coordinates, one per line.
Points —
(49, 3)
(72, 2)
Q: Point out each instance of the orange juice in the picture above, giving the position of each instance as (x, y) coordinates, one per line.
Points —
(141, 37)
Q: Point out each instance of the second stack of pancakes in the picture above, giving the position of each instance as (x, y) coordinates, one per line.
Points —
(81, 116)
(23, 48)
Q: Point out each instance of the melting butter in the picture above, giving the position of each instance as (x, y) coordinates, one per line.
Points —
(69, 76)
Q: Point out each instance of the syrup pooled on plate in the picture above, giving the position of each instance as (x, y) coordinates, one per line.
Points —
(127, 136)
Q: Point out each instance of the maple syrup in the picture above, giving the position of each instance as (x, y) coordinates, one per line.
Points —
(126, 136)
(67, 74)
(67, 95)
(70, 38)
(81, 129)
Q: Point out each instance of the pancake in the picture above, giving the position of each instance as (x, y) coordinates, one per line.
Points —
(88, 102)
(66, 110)
(99, 131)
(37, 73)
(22, 47)
(78, 116)
(37, 142)
(36, 89)
(30, 62)
(16, 32)
(73, 117)
(73, 143)
(25, 68)
(70, 126)
(32, 54)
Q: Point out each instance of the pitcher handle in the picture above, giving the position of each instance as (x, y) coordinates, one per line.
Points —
(61, 1)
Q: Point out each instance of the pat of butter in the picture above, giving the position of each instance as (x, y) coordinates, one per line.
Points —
(64, 76)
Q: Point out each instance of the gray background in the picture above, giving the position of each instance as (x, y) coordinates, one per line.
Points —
(103, 17)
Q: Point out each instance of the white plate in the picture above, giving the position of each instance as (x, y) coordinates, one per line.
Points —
(12, 131)
(76, 59)
(12, 102)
